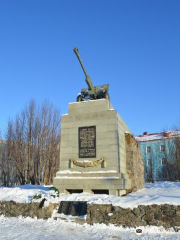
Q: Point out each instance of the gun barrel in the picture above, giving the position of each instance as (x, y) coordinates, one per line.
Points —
(88, 79)
(77, 54)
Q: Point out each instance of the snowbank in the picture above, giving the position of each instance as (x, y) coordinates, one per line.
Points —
(153, 193)
(28, 228)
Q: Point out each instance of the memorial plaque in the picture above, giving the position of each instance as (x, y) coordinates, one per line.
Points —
(74, 208)
(87, 142)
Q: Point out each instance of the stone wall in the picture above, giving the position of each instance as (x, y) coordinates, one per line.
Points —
(14, 209)
(157, 215)
(134, 162)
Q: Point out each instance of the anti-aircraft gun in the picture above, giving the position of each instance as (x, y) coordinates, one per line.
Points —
(92, 92)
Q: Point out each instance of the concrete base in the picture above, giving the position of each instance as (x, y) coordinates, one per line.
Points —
(110, 177)
(107, 183)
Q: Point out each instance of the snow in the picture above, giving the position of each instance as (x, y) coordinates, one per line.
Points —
(75, 172)
(153, 193)
(102, 99)
(28, 228)
(65, 228)
(68, 172)
(84, 161)
(66, 177)
(23, 193)
(157, 136)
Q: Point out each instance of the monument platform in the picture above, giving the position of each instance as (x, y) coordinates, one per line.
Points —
(93, 150)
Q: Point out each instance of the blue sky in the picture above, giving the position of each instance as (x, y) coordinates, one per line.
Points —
(132, 45)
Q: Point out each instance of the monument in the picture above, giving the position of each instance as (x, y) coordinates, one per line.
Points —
(93, 145)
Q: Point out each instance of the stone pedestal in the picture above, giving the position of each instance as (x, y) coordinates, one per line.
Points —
(93, 150)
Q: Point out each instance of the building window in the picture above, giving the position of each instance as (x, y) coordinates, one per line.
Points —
(163, 161)
(148, 149)
(162, 148)
(149, 162)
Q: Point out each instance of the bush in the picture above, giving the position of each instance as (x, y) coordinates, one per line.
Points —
(55, 190)
(37, 196)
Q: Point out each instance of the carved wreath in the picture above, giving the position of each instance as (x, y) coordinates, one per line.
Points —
(87, 163)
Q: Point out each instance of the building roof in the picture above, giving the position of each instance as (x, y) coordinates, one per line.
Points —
(146, 137)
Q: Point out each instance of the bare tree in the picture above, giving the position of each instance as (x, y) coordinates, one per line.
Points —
(150, 168)
(4, 166)
(33, 144)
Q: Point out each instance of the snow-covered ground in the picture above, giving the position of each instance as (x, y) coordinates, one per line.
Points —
(153, 193)
(28, 228)
(33, 229)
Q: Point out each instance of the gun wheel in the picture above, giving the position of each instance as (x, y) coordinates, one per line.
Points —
(79, 98)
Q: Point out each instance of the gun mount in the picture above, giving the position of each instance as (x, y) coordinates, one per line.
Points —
(92, 92)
